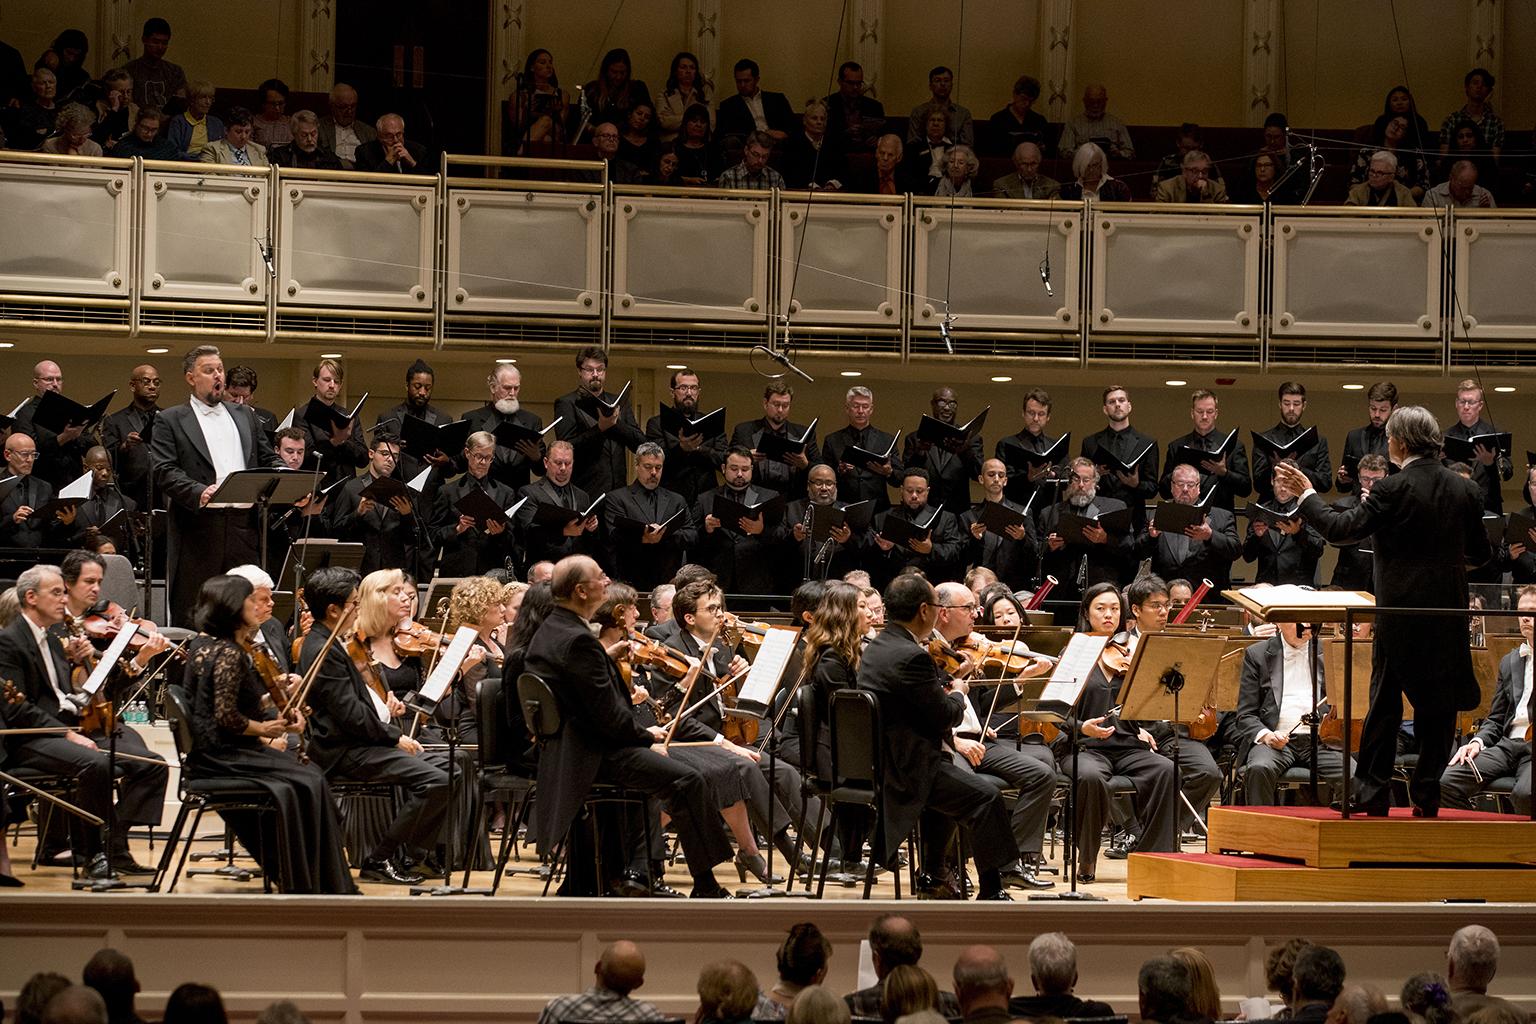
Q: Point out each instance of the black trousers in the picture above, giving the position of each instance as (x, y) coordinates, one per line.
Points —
(1436, 735)
(1156, 798)
(93, 786)
(141, 796)
(1459, 786)
(959, 797)
(1265, 765)
(687, 796)
(423, 809)
(1034, 778)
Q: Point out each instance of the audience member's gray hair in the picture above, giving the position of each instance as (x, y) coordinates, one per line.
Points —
(282, 1012)
(758, 138)
(1053, 962)
(972, 164)
(650, 448)
(1415, 427)
(1084, 157)
(923, 1017)
(74, 118)
(900, 146)
(1357, 1004)
(10, 605)
(31, 580)
(200, 88)
(308, 119)
(76, 1005)
(815, 1005)
(1022, 150)
(1385, 156)
(1194, 156)
(1473, 956)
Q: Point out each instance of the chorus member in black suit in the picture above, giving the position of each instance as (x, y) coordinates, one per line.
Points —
(1356, 565)
(545, 543)
(650, 556)
(1101, 556)
(918, 710)
(195, 446)
(603, 741)
(59, 455)
(1501, 747)
(938, 555)
(1314, 461)
(125, 434)
(352, 737)
(106, 500)
(391, 532)
(752, 109)
(233, 736)
(1202, 552)
(341, 450)
(1013, 557)
(37, 663)
(853, 117)
(419, 382)
(950, 469)
(467, 547)
(1520, 558)
(741, 552)
(599, 439)
(1229, 473)
(1121, 748)
(805, 558)
(291, 525)
(1119, 440)
(240, 388)
(1274, 695)
(1023, 476)
(1288, 552)
(1490, 469)
(865, 481)
(1427, 527)
(515, 465)
(692, 459)
(786, 475)
(1370, 439)
(21, 525)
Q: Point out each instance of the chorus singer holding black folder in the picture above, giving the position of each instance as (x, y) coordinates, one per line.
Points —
(1288, 439)
(1426, 523)
(823, 537)
(379, 510)
(648, 526)
(1190, 541)
(1371, 439)
(417, 411)
(1087, 538)
(471, 545)
(693, 442)
(740, 527)
(63, 428)
(600, 426)
(559, 518)
(194, 448)
(1127, 458)
(334, 435)
(1474, 439)
(863, 455)
(916, 533)
(1220, 457)
(1002, 532)
(950, 452)
(782, 452)
(519, 433)
(1032, 455)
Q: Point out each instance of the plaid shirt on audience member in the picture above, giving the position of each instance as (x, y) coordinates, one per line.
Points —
(1491, 126)
(598, 1003)
(740, 177)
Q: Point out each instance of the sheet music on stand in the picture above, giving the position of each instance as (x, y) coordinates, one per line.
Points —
(109, 659)
(448, 665)
(1066, 682)
(757, 690)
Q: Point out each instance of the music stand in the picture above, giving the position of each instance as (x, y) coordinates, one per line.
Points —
(263, 488)
(755, 698)
(437, 591)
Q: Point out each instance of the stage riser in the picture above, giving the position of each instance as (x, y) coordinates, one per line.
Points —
(1190, 877)
(1329, 841)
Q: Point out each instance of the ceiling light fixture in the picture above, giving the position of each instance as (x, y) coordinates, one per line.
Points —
(1175, 383)
(1001, 380)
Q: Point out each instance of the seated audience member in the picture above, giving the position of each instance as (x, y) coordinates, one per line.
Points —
(1204, 994)
(110, 102)
(752, 109)
(812, 158)
(1477, 84)
(960, 167)
(1194, 183)
(111, 974)
(958, 124)
(889, 175)
(282, 1012)
(1091, 177)
(753, 172)
(637, 138)
(271, 127)
(72, 133)
(1018, 122)
(35, 995)
(390, 152)
(906, 991)
(982, 985)
(1163, 990)
(145, 140)
(1275, 140)
(1471, 961)
(304, 149)
(685, 88)
(1381, 187)
(1460, 190)
(698, 161)
(29, 123)
(1499, 749)
(1317, 978)
(926, 161)
(1426, 999)
(614, 91)
(854, 119)
(815, 1005)
(236, 146)
(1095, 124)
(340, 130)
(538, 108)
(727, 993)
(157, 82)
(606, 138)
(894, 941)
(1357, 1004)
(1468, 144)
(1026, 181)
(618, 972)
(1053, 973)
(1411, 169)
(66, 59)
(802, 965)
(667, 170)
(1265, 172)
(1172, 165)
(192, 130)
(77, 1004)
(1399, 103)
(192, 1003)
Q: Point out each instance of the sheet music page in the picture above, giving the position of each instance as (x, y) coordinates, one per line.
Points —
(1291, 595)
(109, 658)
(1081, 654)
(448, 664)
(763, 678)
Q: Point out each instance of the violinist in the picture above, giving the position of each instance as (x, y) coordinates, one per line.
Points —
(512, 596)
(100, 619)
(1108, 746)
(269, 635)
(1029, 769)
(834, 643)
(235, 736)
(521, 756)
(348, 739)
(1273, 700)
(474, 602)
(1502, 745)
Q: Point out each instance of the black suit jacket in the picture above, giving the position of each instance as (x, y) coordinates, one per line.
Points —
(743, 563)
(1259, 692)
(940, 564)
(1356, 565)
(337, 461)
(1199, 559)
(1505, 699)
(1489, 478)
(393, 420)
(643, 566)
(370, 157)
(1284, 558)
(796, 562)
(871, 122)
(772, 473)
(1110, 562)
(474, 551)
(863, 484)
(1014, 561)
(599, 455)
(688, 473)
(1236, 484)
(708, 721)
(541, 543)
(511, 467)
(1366, 440)
(130, 465)
(1011, 451)
(34, 531)
(342, 714)
(1123, 444)
(56, 463)
(1314, 462)
(733, 117)
(22, 663)
(949, 473)
(389, 540)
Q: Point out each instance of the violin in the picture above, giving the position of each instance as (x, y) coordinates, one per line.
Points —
(105, 624)
(735, 632)
(949, 660)
(271, 673)
(362, 660)
(1115, 658)
(627, 673)
(655, 654)
(1002, 657)
(414, 639)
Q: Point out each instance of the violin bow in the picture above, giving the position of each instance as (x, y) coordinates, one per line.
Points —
(1017, 628)
(692, 677)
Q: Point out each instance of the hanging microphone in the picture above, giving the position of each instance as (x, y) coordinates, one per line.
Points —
(266, 256)
(949, 345)
(1045, 274)
(783, 360)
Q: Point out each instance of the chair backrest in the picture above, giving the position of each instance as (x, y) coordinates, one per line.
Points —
(805, 720)
(179, 717)
(540, 712)
(489, 713)
(856, 756)
(118, 583)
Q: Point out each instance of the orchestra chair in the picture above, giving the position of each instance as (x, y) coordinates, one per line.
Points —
(542, 715)
(811, 783)
(497, 781)
(1120, 788)
(203, 795)
(119, 585)
(858, 776)
(59, 784)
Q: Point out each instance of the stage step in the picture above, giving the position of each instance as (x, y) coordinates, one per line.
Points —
(1229, 878)
(1321, 838)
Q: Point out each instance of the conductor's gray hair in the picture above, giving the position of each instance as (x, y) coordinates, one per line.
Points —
(1416, 429)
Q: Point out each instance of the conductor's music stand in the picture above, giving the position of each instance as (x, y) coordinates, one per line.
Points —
(263, 488)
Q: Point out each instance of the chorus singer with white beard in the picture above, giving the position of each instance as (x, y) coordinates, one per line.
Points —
(1103, 554)
(515, 465)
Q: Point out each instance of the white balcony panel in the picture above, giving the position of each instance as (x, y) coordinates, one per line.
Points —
(1362, 275)
(1493, 276)
(203, 236)
(989, 277)
(840, 263)
(524, 252)
(66, 230)
(691, 259)
(355, 245)
(1175, 273)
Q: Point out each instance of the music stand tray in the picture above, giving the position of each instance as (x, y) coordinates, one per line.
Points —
(1301, 604)
(1171, 677)
(263, 486)
(317, 553)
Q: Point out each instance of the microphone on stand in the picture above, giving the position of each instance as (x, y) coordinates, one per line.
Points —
(782, 359)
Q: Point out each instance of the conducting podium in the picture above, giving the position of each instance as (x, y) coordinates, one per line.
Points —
(261, 489)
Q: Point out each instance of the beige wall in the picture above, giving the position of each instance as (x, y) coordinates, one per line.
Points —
(652, 31)
(1002, 41)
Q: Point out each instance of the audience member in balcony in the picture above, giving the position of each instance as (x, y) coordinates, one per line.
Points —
(305, 150)
(1091, 177)
(1265, 171)
(620, 970)
(111, 102)
(156, 81)
(925, 163)
(271, 125)
(605, 139)
(612, 93)
(853, 117)
(1194, 183)
(30, 122)
(13, 75)
(752, 109)
(194, 128)
(698, 161)
(1053, 973)
(1095, 124)
(1399, 103)
(537, 110)
(340, 130)
(236, 146)
(667, 171)
(1172, 165)
(753, 172)
(1460, 190)
(145, 140)
(66, 59)
(72, 133)
(960, 167)
(1275, 141)
(1468, 144)
(812, 157)
(684, 89)
(889, 175)
(1411, 170)
(391, 152)
(1018, 122)
(637, 138)
(1478, 111)
(1026, 181)
(958, 124)
(1381, 186)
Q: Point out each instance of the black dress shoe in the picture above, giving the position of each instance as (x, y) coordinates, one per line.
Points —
(1426, 811)
(1120, 847)
(1025, 879)
(998, 895)
(629, 885)
(386, 871)
(98, 868)
(59, 859)
(429, 866)
(8, 882)
(719, 892)
(124, 864)
(1375, 807)
(929, 887)
(1085, 877)
(665, 891)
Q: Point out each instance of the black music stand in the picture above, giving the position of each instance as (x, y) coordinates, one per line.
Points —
(305, 557)
(263, 488)
(1033, 708)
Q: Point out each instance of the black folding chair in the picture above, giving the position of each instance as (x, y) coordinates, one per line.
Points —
(497, 781)
(858, 773)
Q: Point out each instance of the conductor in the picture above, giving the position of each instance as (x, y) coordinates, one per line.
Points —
(1427, 524)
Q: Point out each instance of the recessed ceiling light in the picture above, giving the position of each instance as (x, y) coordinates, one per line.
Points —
(677, 366)
(330, 355)
(7, 344)
(852, 373)
(151, 351)
(1175, 383)
(1001, 380)
(1505, 389)
(505, 362)
(1353, 387)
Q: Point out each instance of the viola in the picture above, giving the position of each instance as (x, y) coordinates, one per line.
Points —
(413, 639)
(949, 660)
(1115, 658)
(735, 632)
(362, 660)
(271, 673)
(104, 625)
